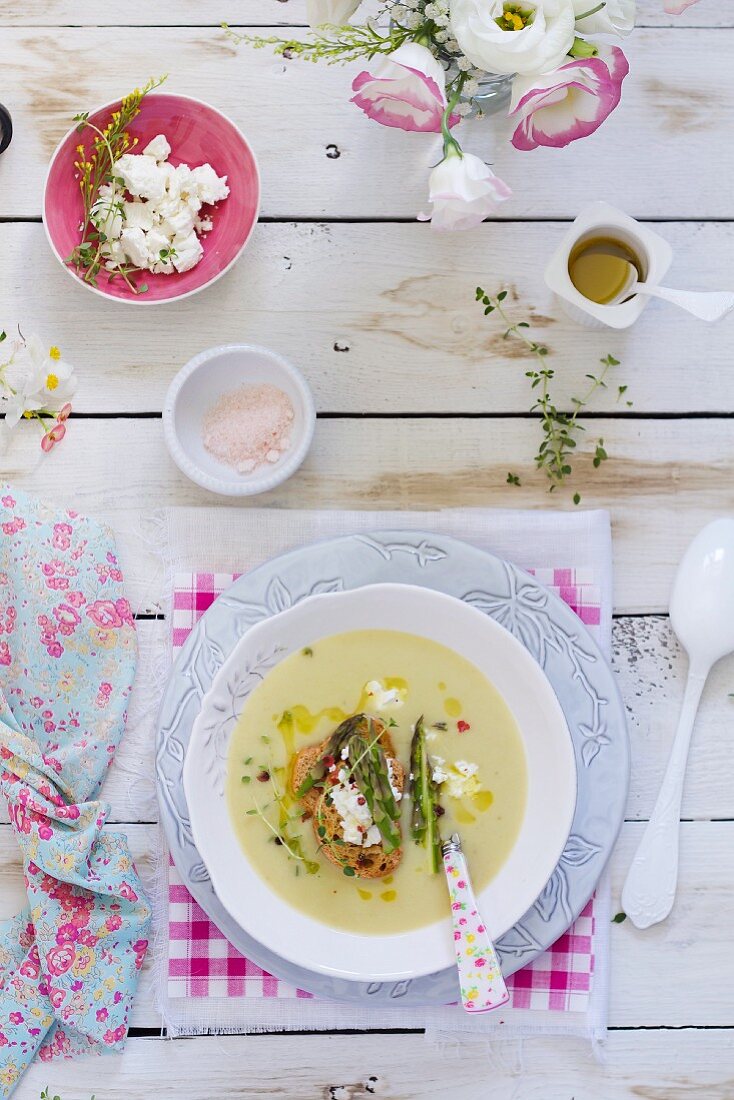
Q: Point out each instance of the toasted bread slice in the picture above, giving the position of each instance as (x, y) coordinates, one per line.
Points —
(370, 862)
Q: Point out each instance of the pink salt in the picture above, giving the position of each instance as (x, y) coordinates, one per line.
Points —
(249, 427)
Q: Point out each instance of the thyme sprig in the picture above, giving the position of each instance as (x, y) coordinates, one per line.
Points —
(560, 428)
(333, 44)
(95, 168)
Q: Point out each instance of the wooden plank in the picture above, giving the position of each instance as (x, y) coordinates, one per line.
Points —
(645, 970)
(651, 670)
(366, 313)
(664, 480)
(318, 156)
(44, 13)
(654, 1065)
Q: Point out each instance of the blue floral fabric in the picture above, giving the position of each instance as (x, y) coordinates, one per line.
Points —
(69, 961)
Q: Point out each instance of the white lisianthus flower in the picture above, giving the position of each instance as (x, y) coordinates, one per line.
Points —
(615, 17)
(502, 36)
(463, 191)
(336, 12)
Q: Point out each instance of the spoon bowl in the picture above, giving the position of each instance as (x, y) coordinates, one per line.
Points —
(707, 305)
(702, 599)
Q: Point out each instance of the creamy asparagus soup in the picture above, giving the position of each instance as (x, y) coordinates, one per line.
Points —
(323, 804)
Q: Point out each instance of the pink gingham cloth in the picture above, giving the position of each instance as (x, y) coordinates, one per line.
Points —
(203, 964)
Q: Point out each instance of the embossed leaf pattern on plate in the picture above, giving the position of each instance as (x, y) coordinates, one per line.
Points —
(424, 553)
(556, 892)
(227, 707)
(278, 597)
(524, 612)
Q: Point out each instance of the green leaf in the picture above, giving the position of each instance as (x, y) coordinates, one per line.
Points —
(349, 872)
(577, 498)
(619, 918)
(501, 296)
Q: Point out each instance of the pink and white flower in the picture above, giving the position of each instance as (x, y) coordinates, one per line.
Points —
(463, 191)
(570, 103)
(406, 89)
(677, 7)
(332, 12)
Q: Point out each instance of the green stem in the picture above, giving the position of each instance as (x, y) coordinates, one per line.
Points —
(592, 11)
(449, 141)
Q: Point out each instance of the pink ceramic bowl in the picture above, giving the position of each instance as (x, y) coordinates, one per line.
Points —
(197, 135)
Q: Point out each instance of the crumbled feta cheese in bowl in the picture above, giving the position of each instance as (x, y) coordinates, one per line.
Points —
(158, 148)
(196, 135)
(156, 227)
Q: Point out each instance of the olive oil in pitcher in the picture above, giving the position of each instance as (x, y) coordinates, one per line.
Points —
(599, 268)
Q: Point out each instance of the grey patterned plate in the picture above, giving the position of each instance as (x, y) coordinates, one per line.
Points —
(548, 628)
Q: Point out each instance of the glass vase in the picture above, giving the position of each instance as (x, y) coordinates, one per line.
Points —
(493, 95)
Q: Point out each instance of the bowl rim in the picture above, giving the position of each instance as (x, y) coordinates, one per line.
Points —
(251, 637)
(140, 300)
(249, 486)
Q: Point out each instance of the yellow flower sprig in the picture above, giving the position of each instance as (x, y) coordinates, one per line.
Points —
(94, 166)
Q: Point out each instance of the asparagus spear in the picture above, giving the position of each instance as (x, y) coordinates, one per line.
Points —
(370, 771)
(424, 793)
(333, 748)
(368, 766)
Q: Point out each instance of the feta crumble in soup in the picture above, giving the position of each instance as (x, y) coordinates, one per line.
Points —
(349, 762)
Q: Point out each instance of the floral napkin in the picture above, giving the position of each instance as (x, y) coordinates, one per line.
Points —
(69, 960)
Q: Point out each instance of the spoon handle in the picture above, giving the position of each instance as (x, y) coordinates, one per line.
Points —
(649, 890)
(707, 305)
(480, 977)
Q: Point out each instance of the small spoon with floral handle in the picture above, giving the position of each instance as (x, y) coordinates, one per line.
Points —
(480, 977)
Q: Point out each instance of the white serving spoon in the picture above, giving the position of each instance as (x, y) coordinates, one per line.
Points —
(707, 305)
(702, 616)
(480, 976)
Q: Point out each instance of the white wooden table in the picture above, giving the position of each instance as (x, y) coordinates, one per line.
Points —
(421, 405)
